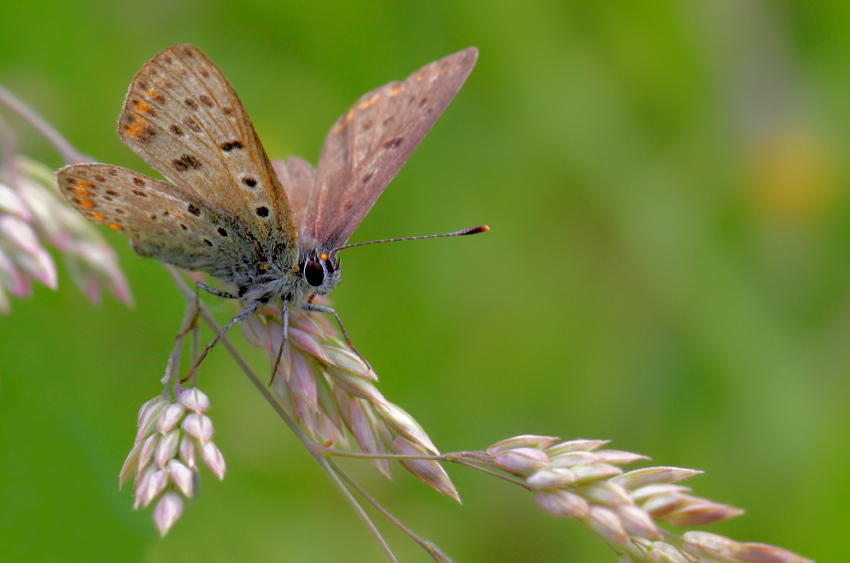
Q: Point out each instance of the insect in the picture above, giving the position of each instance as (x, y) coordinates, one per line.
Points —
(270, 232)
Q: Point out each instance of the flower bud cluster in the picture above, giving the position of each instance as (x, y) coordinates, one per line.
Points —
(330, 391)
(173, 438)
(578, 479)
(33, 218)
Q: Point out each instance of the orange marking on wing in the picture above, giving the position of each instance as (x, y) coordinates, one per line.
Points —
(135, 128)
(81, 191)
(114, 226)
(394, 91)
(85, 203)
(143, 107)
(83, 184)
(344, 122)
(96, 216)
(420, 77)
(368, 103)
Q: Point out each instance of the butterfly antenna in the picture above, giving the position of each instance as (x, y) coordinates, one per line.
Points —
(471, 231)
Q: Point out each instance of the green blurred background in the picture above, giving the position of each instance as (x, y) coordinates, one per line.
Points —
(668, 267)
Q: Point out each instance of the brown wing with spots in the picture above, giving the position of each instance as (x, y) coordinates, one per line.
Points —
(161, 220)
(182, 116)
(369, 144)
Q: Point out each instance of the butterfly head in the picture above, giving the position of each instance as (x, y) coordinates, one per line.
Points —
(320, 270)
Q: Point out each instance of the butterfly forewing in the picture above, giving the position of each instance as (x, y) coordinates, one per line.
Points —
(182, 116)
(368, 145)
(161, 220)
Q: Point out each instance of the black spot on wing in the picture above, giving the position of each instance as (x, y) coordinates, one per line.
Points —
(186, 162)
(192, 124)
(393, 143)
(230, 145)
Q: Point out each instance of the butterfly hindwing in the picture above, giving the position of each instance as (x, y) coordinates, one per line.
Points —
(161, 220)
(368, 145)
(299, 180)
(183, 117)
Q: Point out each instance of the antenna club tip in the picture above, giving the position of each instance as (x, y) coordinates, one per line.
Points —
(476, 230)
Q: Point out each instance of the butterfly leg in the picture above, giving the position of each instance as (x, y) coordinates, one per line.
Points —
(250, 310)
(190, 320)
(215, 291)
(330, 311)
(196, 305)
(284, 318)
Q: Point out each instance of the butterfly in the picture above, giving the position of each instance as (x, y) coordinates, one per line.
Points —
(269, 231)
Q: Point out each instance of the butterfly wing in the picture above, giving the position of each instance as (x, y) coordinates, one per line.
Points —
(299, 180)
(182, 116)
(368, 145)
(161, 220)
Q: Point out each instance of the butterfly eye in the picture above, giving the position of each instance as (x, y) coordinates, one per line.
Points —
(314, 273)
